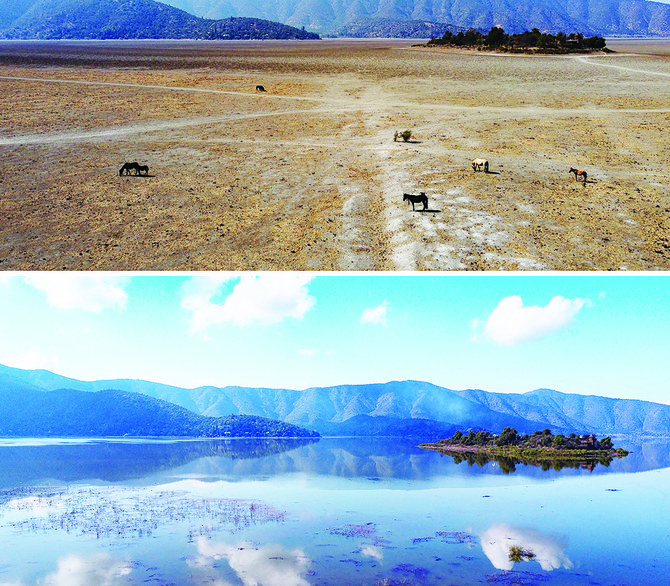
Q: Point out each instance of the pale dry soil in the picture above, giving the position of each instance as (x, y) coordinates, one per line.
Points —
(306, 176)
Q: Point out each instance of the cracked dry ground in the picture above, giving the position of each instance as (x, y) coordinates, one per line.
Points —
(306, 176)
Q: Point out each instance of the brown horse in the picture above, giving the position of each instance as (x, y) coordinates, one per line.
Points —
(578, 174)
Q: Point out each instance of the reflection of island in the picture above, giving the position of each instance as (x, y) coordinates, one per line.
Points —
(500, 542)
(540, 448)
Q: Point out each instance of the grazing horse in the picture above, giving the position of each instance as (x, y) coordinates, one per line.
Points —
(477, 164)
(421, 198)
(127, 167)
(578, 174)
(260, 88)
(143, 169)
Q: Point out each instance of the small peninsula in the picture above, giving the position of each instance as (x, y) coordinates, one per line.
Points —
(538, 446)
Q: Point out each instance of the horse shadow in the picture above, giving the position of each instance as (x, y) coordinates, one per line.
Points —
(492, 172)
(426, 211)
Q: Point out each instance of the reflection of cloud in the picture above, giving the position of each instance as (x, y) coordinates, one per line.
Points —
(99, 570)
(270, 565)
(497, 540)
(372, 552)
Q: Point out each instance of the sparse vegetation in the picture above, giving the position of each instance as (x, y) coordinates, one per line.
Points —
(519, 554)
(532, 41)
(405, 135)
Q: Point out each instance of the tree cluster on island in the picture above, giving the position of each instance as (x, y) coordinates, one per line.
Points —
(529, 41)
(539, 442)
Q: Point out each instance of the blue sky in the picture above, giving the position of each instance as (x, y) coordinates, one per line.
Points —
(591, 334)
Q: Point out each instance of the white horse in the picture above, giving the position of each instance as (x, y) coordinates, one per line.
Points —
(477, 164)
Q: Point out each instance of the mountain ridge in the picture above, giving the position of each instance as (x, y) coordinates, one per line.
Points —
(601, 17)
(114, 413)
(129, 19)
(397, 405)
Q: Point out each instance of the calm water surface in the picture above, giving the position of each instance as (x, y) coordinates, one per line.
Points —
(326, 512)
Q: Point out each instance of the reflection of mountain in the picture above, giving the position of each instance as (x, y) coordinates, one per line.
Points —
(123, 460)
(239, 460)
(399, 409)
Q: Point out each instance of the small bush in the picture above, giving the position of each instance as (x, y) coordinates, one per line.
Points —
(406, 135)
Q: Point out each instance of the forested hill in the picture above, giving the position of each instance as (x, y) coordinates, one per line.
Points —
(128, 19)
(590, 17)
(69, 413)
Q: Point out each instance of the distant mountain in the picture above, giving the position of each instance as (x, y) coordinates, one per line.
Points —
(399, 29)
(128, 19)
(602, 17)
(112, 413)
(407, 408)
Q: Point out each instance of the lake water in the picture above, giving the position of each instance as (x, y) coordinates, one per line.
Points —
(334, 511)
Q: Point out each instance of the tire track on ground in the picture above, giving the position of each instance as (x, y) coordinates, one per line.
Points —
(120, 131)
(589, 61)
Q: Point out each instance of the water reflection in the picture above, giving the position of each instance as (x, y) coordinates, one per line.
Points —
(508, 465)
(93, 570)
(113, 460)
(270, 565)
(26, 464)
(548, 551)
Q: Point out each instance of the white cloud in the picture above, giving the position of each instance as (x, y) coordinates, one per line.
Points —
(263, 299)
(375, 315)
(307, 351)
(30, 360)
(270, 565)
(85, 291)
(512, 323)
(497, 539)
(97, 569)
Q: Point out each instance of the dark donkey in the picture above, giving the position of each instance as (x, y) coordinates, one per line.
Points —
(421, 198)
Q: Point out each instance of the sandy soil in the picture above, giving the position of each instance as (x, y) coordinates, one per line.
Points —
(306, 176)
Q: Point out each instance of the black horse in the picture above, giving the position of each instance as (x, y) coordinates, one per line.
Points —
(421, 198)
(128, 167)
(260, 88)
(139, 169)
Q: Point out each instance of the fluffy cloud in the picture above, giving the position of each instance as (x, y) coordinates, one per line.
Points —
(84, 571)
(270, 565)
(512, 323)
(264, 299)
(497, 540)
(85, 291)
(375, 315)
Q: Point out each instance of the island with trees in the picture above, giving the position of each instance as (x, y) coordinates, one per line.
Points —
(541, 448)
(532, 41)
